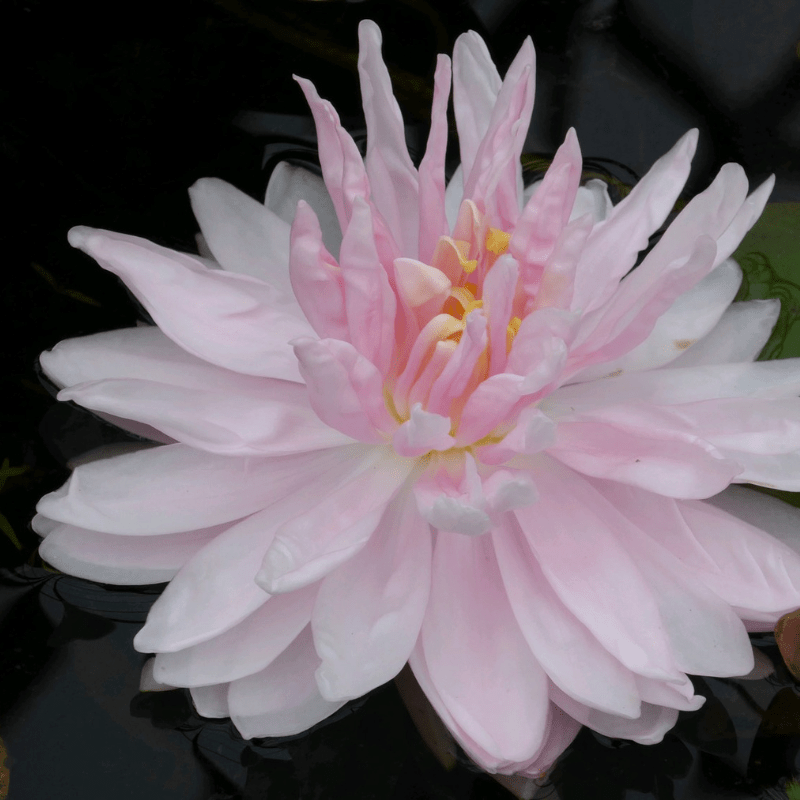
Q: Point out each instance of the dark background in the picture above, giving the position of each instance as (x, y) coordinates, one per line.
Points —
(108, 113)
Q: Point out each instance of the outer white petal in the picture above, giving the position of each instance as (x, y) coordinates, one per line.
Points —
(122, 560)
(688, 319)
(244, 649)
(273, 419)
(767, 379)
(211, 701)
(242, 234)
(175, 488)
(777, 518)
(592, 198)
(740, 335)
(288, 185)
(143, 352)
(282, 699)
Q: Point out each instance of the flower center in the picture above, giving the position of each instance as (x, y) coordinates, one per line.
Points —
(461, 345)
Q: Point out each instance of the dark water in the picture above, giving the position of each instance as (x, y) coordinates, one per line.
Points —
(75, 725)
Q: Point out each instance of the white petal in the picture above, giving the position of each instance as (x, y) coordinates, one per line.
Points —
(282, 699)
(243, 235)
(740, 335)
(288, 185)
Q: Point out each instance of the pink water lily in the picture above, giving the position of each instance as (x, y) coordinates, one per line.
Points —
(447, 424)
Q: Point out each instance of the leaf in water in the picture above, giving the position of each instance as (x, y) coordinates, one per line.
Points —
(770, 259)
(80, 297)
(5, 775)
(787, 633)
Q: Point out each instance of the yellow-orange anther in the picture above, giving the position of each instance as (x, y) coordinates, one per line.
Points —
(468, 265)
(461, 302)
(497, 241)
(511, 331)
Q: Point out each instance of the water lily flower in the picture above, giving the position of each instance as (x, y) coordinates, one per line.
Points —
(449, 424)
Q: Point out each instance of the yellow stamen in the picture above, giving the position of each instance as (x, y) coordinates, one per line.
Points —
(497, 241)
(461, 302)
(511, 331)
(468, 265)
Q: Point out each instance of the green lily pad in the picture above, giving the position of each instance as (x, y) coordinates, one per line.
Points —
(770, 259)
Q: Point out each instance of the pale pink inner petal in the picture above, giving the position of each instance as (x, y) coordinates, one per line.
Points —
(369, 610)
(479, 662)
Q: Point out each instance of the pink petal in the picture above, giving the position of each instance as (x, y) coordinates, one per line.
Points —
(476, 84)
(554, 287)
(718, 542)
(217, 589)
(479, 662)
(709, 213)
(218, 316)
(432, 218)
(244, 649)
(489, 406)
(561, 643)
(423, 288)
(740, 425)
(631, 314)
(342, 167)
(309, 545)
(548, 211)
(578, 549)
(369, 611)
(451, 500)
(499, 288)
(644, 446)
(370, 304)
(283, 698)
(274, 420)
(344, 389)
(534, 432)
(316, 277)
(473, 749)
(615, 244)
(540, 348)
(392, 176)
(756, 573)
(122, 560)
(453, 380)
(421, 433)
(777, 518)
(175, 488)
(243, 235)
(495, 180)
(561, 732)
(690, 611)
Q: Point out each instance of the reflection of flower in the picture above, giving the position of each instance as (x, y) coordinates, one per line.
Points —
(470, 440)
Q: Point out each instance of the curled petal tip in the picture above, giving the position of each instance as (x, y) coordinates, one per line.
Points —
(79, 236)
